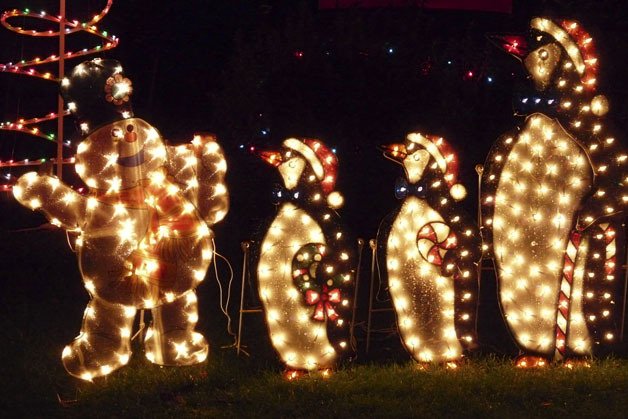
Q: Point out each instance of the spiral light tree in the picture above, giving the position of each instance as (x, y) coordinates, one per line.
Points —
(553, 201)
(144, 238)
(61, 27)
(306, 264)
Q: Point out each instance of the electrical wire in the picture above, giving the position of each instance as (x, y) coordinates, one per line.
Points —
(224, 308)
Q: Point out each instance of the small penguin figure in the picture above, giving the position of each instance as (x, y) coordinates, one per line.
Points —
(305, 262)
(553, 196)
(432, 248)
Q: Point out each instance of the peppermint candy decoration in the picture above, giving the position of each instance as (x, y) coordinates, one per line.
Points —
(434, 240)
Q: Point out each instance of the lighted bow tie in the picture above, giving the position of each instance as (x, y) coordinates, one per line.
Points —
(282, 194)
(403, 189)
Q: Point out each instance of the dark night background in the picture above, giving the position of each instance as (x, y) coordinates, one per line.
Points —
(257, 72)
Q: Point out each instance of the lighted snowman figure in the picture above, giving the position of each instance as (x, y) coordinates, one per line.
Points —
(305, 267)
(431, 249)
(143, 228)
(553, 196)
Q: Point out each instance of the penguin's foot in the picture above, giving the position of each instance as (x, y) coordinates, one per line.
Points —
(175, 347)
(572, 363)
(293, 375)
(531, 361)
(423, 366)
(448, 365)
(91, 356)
(452, 365)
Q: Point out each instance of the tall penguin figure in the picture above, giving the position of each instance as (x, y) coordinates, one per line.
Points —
(305, 267)
(431, 248)
(553, 196)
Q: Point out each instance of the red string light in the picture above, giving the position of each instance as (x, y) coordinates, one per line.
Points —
(28, 67)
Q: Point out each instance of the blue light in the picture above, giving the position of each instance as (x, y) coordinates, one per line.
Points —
(391, 50)
(241, 146)
(449, 62)
(264, 132)
(333, 150)
(489, 79)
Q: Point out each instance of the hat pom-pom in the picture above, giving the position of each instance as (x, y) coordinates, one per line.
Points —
(458, 192)
(335, 200)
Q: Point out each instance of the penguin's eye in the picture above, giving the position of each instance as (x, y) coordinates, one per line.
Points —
(292, 164)
(417, 157)
(543, 54)
(116, 133)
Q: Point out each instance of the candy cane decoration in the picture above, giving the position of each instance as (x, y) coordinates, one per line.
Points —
(566, 286)
(564, 295)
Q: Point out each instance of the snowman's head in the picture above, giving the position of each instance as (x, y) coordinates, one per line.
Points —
(120, 155)
(97, 93)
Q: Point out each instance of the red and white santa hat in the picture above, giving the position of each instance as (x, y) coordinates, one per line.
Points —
(324, 164)
(445, 159)
(576, 42)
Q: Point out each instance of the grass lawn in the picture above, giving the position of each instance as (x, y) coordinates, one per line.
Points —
(41, 306)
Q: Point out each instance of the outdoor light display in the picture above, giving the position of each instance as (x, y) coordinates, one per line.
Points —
(144, 240)
(553, 195)
(28, 67)
(305, 262)
(431, 247)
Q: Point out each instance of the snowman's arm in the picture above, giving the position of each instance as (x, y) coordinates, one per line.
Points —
(212, 182)
(62, 205)
(200, 168)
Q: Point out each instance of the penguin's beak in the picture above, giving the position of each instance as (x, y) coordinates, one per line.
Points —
(269, 156)
(514, 44)
(394, 152)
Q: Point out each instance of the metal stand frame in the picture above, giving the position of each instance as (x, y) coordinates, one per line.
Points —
(246, 247)
(373, 245)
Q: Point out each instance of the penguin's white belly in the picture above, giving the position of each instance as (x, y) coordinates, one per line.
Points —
(422, 297)
(301, 341)
(544, 178)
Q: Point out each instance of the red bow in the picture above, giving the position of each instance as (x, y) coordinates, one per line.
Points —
(324, 303)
